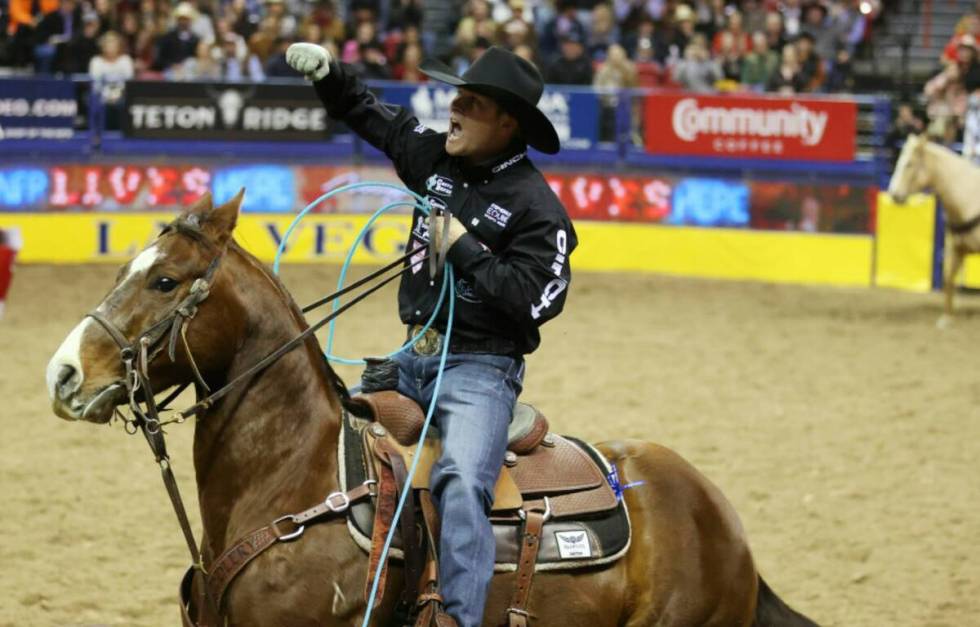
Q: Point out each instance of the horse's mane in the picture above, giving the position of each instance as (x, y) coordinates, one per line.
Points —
(294, 310)
(193, 231)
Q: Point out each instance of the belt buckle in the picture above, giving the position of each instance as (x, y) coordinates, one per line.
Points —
(429, 343)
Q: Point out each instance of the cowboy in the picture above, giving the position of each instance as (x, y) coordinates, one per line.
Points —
(509, 241)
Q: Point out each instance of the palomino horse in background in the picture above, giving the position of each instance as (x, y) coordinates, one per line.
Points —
(270, 447)
(956, 181)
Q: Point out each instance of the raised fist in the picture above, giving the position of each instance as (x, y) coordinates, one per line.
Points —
(311, 60)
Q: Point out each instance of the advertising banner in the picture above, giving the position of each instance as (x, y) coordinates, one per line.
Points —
(575, 114)
(747, 126)
(37, 108)
(224, 111)
(278, 188)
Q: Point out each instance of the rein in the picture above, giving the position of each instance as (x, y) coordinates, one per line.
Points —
(963, 227)
(136, 357)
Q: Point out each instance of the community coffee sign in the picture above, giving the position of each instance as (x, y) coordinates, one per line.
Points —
(224, 111)
(737, 126)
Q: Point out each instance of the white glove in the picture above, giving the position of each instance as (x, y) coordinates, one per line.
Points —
(311, 60)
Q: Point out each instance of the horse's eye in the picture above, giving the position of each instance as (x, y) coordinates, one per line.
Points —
(164, 284)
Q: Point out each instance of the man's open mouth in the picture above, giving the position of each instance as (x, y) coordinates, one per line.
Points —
(454, 129)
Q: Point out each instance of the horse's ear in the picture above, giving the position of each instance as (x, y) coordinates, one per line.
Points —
(221, 220)
(202, 206)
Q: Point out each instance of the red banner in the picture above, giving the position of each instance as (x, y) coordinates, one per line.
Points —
(747, 126)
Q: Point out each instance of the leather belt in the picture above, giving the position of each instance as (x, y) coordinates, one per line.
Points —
(430, 343)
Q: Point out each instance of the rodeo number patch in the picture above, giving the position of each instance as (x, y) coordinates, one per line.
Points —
(573, 544)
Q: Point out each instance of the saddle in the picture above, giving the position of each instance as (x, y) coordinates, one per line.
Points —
(554, 507)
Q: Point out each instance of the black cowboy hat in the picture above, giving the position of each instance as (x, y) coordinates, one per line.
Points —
(513, 83)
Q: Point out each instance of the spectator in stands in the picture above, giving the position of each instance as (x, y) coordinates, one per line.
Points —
(811, 66)
(755, 14)
(604, 32)
(407, 68)
(467, 57)
(263, 41)
(110, 69)
(787, 79)
(80, 50)
(237, 65)
(792, 13)
(526, 52)
(712, 18)
(849, 25)
(907, 122)
(970, 69)
(573, 67)
(105, 10)
(739, 40)
(817, 26)
(7, 256)
(475, 23)
(405, 13)
(697, 71)
(729, 58)
(565, 23)
(373, 64)
(968, 26)
(759, 64)
(179, 44)
(840, 77)
(516, 33)
(365, 32)
(615, 73)
(945, 103)
(775, 33)
(324, 15)
(53, 31)
(226, 36)
(276, 66)
(201, 23)
(671, 42)
(244, 16)
(205, 65)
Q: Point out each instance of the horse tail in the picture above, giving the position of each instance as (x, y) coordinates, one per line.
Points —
(771, 611)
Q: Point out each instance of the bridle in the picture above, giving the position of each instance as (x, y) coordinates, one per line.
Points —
(137, 355)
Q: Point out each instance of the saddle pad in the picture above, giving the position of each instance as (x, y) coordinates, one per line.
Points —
(591, 539)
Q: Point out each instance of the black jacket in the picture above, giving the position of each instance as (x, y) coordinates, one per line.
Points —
(512, 270)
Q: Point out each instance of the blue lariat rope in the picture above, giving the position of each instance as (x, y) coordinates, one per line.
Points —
(420, 203)
(447, 287)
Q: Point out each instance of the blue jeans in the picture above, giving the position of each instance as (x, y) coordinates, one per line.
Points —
(474, 408)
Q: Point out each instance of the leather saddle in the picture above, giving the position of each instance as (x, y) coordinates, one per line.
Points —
(554, 506)
(539, 467)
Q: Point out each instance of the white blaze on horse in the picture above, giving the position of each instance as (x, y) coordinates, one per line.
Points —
(955, 180)
(274, 449)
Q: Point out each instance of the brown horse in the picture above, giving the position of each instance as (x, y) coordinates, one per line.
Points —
(270, 447)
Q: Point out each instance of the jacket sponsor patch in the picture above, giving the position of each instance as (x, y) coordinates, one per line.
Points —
(439, 185)
(497, 214)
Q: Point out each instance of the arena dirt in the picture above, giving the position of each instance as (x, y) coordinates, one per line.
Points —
(841, 423)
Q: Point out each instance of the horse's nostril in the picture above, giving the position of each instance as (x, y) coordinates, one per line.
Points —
(68, 381)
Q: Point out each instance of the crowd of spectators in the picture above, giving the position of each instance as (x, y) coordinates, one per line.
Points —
(952, 96)
(762, 45)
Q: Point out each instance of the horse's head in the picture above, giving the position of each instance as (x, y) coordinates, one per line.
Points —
(911, 174)
(86, 377)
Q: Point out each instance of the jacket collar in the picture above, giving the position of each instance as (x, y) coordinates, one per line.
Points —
(515, 154)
